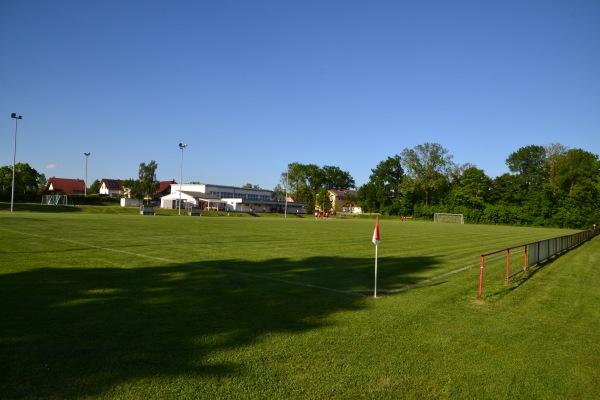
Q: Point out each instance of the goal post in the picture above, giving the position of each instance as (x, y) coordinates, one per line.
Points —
(449, 218)
(57, 200)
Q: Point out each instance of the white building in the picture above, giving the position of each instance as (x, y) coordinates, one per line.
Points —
(111, 187)
(228, 198)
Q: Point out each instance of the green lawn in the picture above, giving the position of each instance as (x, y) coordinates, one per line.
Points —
(106, 304)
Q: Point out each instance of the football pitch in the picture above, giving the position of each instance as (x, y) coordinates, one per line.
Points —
(100, 305)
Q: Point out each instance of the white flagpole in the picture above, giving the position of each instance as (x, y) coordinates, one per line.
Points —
(376, 243)
(375, 291)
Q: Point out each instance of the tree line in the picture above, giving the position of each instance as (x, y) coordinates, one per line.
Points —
(551, 186)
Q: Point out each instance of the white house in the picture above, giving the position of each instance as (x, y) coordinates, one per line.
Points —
(229, 198)
(111, 187)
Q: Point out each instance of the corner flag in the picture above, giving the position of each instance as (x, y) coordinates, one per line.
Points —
(376, 243)
(376, 232)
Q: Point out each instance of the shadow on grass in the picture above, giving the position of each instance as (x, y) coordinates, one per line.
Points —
(70, 332)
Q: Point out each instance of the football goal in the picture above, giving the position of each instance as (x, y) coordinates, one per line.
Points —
(449, 218)
(57, 200)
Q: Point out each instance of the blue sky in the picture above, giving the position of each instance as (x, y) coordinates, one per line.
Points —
(251, 86)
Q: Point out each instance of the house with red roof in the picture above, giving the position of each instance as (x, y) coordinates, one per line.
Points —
(65, 186)
(164, 188)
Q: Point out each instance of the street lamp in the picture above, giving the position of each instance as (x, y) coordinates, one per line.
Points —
(181, 146)
(12, 194)
(86, 162)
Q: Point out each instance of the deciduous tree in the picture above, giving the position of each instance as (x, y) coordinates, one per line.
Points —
(427, 165)
(383, 193)
(148, 184)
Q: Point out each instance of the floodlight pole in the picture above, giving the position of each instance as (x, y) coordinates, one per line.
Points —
(286, 187)
(181, 146)
(12, 194)
(86, 163)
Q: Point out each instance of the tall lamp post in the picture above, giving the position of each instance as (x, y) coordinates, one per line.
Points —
(86, 162)
(12, 194)
(181, 146)
(286, 188)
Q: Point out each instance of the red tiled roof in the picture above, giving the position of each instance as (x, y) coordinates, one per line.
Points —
(164, 185)
(66, 186)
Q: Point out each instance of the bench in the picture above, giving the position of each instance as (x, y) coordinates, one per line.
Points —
(146, 210)
(194, 211)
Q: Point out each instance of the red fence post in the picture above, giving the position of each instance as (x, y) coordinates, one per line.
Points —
(507, 265)
(481, 276)
(552, 248)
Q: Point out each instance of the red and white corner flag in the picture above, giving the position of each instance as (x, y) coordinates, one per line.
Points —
(376, 243)
(376, 232)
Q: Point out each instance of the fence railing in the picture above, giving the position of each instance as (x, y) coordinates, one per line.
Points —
(537, 252)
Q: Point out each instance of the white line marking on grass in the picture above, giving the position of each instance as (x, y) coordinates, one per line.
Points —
(412, 285)
(350, 293)
(435, 278)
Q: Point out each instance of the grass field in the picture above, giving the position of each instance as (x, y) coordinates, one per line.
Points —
(110, 304)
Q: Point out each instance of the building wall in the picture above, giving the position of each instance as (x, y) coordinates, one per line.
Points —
(171, 201)
(235, 199)
(225, 192)
(130, 202)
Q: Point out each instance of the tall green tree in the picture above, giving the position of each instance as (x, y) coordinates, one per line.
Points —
(471, 188)
(299, 178)
(383, 192)
(577, 167)
(335, 178)
(26, 178)
(505, 190)
(369, 197)
(148, 184)
(578, 181)
(555, 152)
(427, 168)
(530, 168)
(529, 164)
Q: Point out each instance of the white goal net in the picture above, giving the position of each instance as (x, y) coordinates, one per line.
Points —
(449, 218)
(57, 200)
